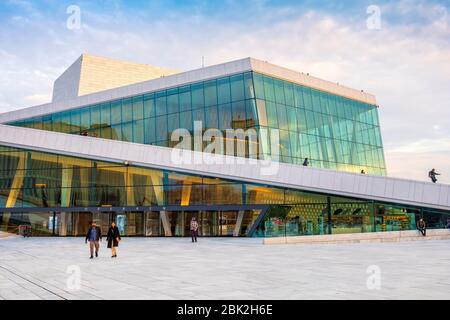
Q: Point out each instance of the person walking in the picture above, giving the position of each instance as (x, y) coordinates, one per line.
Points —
(432, 175)
(94, 236)
(194, 229)
(306, 162)
(113, 238)
(363, 172)
(422, 227)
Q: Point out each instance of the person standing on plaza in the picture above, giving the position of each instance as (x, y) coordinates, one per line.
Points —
(94, 236)
(113, 238)
(194, 229)
(422, 227)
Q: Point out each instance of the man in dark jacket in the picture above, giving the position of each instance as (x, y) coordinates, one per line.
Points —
(432, 175)
(94, 235)
(422, 227)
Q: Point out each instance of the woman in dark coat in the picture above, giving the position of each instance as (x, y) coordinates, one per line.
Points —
(113, 238)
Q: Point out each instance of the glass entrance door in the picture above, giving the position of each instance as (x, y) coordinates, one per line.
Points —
(153, 224)
(228, 221)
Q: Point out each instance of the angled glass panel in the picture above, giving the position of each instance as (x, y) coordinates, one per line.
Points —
(161, 128)
(289, 93)
(149, 106)
(269, 91)
(138, 131)
(251, 113)
(223, 90)
(105, 114)
(185, 98)
(127, 110)
(279, 92)
(210, 93)
(225, 116)
(258, 83)
(150, 130)
(116, 112)
(239, 120)
(248, 86)
(127, 132)
(75, 121)
(212, 118)
(237, 87)
(186, 120)
(138, 108)
(197, 96)
(161, 104)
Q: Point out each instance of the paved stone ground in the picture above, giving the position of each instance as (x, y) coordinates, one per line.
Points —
(158, 268)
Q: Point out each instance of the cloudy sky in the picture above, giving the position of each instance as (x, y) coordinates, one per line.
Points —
(405, 62)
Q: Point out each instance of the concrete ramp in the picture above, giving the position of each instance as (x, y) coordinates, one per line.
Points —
(361, 186)
(6, 235)
(376, 237)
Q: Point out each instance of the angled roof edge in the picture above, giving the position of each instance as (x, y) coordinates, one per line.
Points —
(310, 81)
(355, 185)
(183, 78)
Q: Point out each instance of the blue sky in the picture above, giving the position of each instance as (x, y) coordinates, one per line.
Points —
(406, 63)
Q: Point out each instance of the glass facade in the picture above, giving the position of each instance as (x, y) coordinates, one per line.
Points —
(59, 195)
(332, 131)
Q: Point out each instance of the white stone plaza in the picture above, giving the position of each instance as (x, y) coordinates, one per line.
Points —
(223, 268)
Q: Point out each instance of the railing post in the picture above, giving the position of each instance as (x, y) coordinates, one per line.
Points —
(329, 215)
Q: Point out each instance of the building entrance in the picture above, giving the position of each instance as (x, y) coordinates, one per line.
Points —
(147, 223)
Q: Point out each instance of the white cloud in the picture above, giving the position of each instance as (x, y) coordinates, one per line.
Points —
(407, 66)
(37, 99)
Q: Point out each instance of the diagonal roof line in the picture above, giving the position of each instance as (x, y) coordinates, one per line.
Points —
(385, 189)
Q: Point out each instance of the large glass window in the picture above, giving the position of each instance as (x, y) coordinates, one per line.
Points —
(105, 114)
(161, 128)
(237, 87)
(161, 103)
(116, 112)
(197, 96)
(127, 110)
(212, 119)
(172, 102)
(185, 98)
(340, 129)
(138, 108)
(149, 106)
(150, 130)
(225, 117)
(223, 90)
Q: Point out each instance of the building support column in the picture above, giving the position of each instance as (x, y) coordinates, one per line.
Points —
(129, 187)
(186, 193)
(238, 226)
(16, 186)
(166, 223)
(157, 181)
(330, 223)
(84, 178)
(66, 195)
